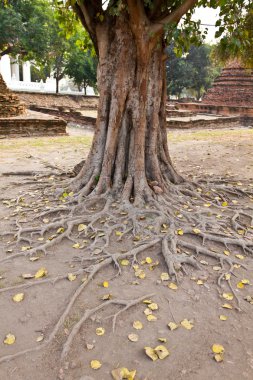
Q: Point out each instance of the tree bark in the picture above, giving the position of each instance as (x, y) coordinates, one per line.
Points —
(129, 155)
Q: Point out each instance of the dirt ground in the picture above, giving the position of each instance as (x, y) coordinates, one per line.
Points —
(203, 153)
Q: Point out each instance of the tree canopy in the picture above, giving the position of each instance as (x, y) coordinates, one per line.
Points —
(24, 27)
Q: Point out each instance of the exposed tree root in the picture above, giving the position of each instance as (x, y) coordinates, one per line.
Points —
(182, 222)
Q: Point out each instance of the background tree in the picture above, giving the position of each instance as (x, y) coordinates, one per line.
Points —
(195, 71)
(179, 74)
(81, 63)
(24, 28)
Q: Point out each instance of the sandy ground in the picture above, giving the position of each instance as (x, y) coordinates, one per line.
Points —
(226, 153)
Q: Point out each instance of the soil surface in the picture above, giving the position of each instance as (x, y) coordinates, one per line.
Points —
(203, 153)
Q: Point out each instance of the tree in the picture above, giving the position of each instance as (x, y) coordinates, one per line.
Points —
(130, 149)
(203, 72)
(24, 28)
(179, 73)
(81, 63)
(128, 183)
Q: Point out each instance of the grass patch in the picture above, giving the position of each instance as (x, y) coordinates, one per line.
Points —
(212, 135)
(45, 142)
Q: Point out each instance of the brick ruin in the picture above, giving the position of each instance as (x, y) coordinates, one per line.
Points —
(9, 102)
(16, 121)
(234, 87)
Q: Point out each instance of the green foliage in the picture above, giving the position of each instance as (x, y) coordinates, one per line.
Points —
(194, 71)
(24, 27)
(238, 43)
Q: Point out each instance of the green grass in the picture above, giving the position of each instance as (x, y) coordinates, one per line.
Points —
(212, 135)
(45, 142)
(85, 141)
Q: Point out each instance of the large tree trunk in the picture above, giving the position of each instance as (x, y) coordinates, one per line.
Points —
(129, 155)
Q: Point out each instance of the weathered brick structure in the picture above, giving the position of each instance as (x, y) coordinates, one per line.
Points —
(234, 87)
(16, 121)
(9, 102)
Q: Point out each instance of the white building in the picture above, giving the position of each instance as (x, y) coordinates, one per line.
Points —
(10, 70)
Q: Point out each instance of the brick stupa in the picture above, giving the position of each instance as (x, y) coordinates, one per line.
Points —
(234, 87)
(9, 103)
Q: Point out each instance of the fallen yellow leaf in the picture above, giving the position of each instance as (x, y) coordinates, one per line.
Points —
(161, 352)
(150, 352)
(149, 260)
(133, 337)
(100, 331)
(196, 231)
(153, 306)
(164, 276)
(227, 253)
(18, 297)
(137, 325)
(41, 273)
(123, 373)
(180, 232)
(172, 286)
(124, 262)
(95, 364)
(172, 326)
(151, 318)
(186, 324)
(105, 284)
(9, 339)
(71, 277)
(81, 227)
(240, 285)
(76, 245)
(228, 296)
(227, 306)
(241, 257)
(223, 317)
(218, 349)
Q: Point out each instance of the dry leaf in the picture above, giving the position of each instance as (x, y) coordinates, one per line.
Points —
(9, 339)
(95, 364)
(18, 297)
(133, 337)
(245, 281)
(137, 325)
(164, 276)
(71, 277)
(161, 352)
(27, 276)
(164, 340)
(241, 257)
(41, 273)
(151, 318)
(227, 253)
(196, 231)
(218, 358)
(123, 373)
(81, 227)
(153, 306)
(223, 317)
(100, 331)
(227, 306)
(172, 326)
(150, 352)
(124, 262)
(172, 286)
(40, 338)
(218, 349)
(228, 296)
(76, 245)
(34, 258)
(60, 230)
(186, 324)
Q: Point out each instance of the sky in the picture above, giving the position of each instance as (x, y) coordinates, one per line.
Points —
(207, 16)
